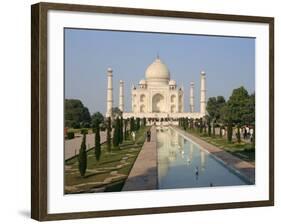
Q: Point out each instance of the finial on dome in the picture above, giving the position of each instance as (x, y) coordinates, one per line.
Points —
(158, 55)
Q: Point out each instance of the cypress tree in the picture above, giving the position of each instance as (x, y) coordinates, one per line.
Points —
(108, 134)
(121, 131)
(201, 125)
(82, 157)
(132, 124)
(138, 123)
(184, 123)
(97, 142)
(116, 133)
(125, 129)
(144, 121)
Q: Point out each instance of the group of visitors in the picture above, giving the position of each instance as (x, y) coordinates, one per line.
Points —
(248, 133)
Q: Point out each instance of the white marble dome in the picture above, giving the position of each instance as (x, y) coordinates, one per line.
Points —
(157, 71)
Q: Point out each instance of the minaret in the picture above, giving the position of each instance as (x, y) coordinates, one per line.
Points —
(191, 98)
(121, 95)
(109, 93)
(203, 94)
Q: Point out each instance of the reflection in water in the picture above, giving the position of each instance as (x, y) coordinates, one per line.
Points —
(189, 159)
(202, 160)
(183, 164)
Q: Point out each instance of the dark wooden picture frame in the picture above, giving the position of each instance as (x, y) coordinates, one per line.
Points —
(39, 110)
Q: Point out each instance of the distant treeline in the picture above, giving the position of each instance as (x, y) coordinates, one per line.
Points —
(76, 115)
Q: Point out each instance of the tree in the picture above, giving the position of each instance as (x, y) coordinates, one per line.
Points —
(132, 124)
(209, 126)
(76, 114)
(116, 112)
(82, 157)
(239, 108)
(205, 128)
(125, 129)
(238, 135)
(121, 131)
(97, 142)
(144, 121)
(220, 132)
(191, 123)
(108, 134)
(97, 118)
(201, 125)
(248, 117)
(137, 123)
(214, 106)
(116, 133)
(229, 131)
(185, 123)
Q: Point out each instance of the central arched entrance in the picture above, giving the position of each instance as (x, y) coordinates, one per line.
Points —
(158, 103)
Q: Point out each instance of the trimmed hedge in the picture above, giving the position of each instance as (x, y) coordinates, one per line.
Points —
(84, 131)
(70, 135)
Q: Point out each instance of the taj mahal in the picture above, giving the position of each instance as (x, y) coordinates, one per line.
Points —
(157, 96)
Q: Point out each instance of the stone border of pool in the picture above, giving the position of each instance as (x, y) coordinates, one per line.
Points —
(244, 169)
(144, 173)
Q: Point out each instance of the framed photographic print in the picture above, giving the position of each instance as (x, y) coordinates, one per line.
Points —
(140, 111)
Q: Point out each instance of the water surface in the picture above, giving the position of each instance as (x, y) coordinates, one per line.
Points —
(183, 164)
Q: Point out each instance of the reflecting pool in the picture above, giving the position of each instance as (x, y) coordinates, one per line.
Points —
(183, 164)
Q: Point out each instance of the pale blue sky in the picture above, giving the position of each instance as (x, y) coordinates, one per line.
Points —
(229, 62)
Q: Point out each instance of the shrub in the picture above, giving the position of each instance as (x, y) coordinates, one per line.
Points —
(116, 133)
(84, 131)
(70, 135)
(97, 143)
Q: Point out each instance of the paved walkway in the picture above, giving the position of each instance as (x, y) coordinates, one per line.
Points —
(143, 175)
(72, 146)
(244, 168)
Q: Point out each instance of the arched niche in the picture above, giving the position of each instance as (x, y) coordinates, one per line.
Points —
(158, 103)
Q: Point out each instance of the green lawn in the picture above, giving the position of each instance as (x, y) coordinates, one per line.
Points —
(108, 174)
(243, 150)
(78, 130)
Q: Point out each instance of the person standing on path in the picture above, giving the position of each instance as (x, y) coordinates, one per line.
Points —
(148, 135)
